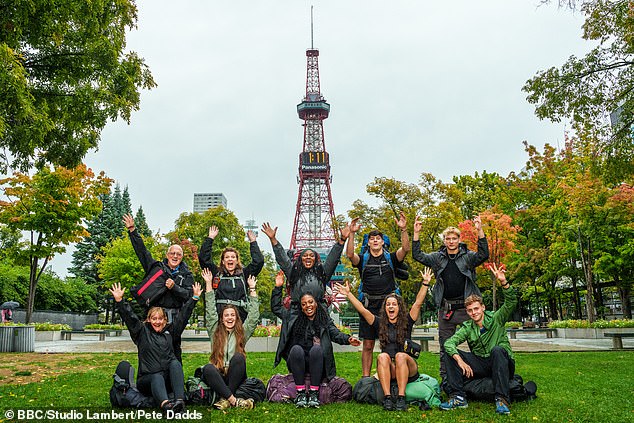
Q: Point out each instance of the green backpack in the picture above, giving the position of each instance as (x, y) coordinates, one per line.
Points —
(424, 388)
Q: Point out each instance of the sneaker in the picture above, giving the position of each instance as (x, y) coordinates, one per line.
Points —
(222, 404)
(301, 400)
(401, 404)
(179, 406)
(454, 402)
(388, 404)
(245, 403)
(501, 406)
(313, 399)
(167, 405)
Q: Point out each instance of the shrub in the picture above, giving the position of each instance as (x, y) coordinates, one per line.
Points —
(513, 325)
(600, 324)
(264, 331)
(51, 326)
(99, 326)
(345, 329)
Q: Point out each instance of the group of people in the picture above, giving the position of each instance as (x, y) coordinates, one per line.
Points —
(307, 332)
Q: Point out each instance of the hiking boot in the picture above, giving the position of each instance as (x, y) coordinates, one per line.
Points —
(245, 403)
(531, 389)
(401, 404)
(179, 406)
(222, 404)
(454, 402)
(501, 406)
(388, 404)
(301, 400)
(313, 399)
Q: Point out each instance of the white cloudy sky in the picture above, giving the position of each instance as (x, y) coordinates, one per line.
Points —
(414, 86)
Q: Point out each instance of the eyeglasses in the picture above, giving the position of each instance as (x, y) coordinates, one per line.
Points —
(175, 253)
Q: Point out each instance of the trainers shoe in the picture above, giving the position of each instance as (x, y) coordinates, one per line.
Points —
(167, 405)
(501, 406)
(245, 403)
(301, 400)
(313, 399)
(179, 406)
(454, 402)
(222, 404)
(388, 404)
(401, 404)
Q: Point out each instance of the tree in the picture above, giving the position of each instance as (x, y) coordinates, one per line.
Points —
(586, 90)
(51, 207)
(64, 73)
(141, 223)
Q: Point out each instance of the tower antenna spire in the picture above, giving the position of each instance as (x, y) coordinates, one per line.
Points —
(311, 27)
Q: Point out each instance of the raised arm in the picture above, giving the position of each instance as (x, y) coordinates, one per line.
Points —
(276, 296)
(181, 319)
(426, 276)
(281, 257)
(404, 249)
(131, 320)
(483, 245)
(143, 254)
(253, 309)
(211, 314)
(205, 257)
(334, 255)
(427, 259)
(353, 227)
(364, 312)
(257, 258)
(503, 314)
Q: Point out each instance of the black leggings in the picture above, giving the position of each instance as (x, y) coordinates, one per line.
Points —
(226, 385)
(155, 384)
(299, 363)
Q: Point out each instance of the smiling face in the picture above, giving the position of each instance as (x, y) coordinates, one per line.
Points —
(156, 317)
(229, 260)
(229, 317)
(391, 309)
(309, 306)
(174, 256)
(375, 243)
(308, 259)
(475, 310)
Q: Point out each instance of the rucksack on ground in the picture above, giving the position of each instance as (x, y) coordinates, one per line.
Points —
(281, 388)
(425, 388)
(123, 393)
(424, 391)
(483, 389)
(252, 388)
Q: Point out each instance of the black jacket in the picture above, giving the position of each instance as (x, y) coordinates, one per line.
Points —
(327, 335)
(155, 349)
(182, 277)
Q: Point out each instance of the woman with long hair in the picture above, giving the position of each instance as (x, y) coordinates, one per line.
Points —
(394, 326)
(227, 368)
(230, 277)
(305, 272)
(158, 365)
(306, 343)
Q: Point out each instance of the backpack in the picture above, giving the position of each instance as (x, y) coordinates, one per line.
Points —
(252, 388)
(281, 388)
(123, 393)
(368, 390)
(400, 272)
(424, 389)
(483, 389)
(152, 287)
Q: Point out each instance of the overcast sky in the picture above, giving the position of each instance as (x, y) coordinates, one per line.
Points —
(414, 86)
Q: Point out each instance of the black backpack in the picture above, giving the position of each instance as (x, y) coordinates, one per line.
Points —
(252, 388)
(123, 393)
(483, 389)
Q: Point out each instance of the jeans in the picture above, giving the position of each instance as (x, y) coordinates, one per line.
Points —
(156, 384)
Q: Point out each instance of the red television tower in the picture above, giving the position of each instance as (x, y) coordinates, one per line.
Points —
(314, 215)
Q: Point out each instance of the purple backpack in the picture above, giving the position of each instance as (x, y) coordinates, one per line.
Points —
(281, 388)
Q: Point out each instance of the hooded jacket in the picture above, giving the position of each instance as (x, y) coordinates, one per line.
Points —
(327, 335)
(466, 260)
(182, 276)
(155, 349)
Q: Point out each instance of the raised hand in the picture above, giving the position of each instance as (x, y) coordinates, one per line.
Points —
(213, 232)
(345, 232)
(208, 277)
(418, 225)
(269, 231)
(197, 289)
(279, 279)
(343, 289)
(117, 291)
(427, 274)
(354, 225)
(401, 222)
(477, 222)
(499, 273)
(128, 221)
(252, 281)
(251, 236)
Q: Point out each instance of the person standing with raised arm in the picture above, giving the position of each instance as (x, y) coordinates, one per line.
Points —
(230, 278)
(454, 266)
(377, 277)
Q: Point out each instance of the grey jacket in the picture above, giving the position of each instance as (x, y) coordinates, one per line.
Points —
(466, 260)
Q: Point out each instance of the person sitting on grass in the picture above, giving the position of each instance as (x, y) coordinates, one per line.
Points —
(158, 365)
(227, 368)
(306, 343)
(491, 354)
(394, 327)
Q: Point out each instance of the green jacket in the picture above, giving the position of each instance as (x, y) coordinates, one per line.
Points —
(495, 334)
(249, 325)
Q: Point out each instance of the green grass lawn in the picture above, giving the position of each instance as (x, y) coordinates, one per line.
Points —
(572, 387)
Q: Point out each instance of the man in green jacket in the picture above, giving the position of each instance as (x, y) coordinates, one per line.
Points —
(491, 354)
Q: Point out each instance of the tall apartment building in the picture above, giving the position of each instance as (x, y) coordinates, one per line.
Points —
(205, 201)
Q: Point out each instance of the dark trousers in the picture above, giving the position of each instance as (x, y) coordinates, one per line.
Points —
(299, 363)
(499, 366)
(226, 385)
(446, 329)
(156, 384)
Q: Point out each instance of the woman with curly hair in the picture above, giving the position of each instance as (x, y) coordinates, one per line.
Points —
(227, 368)
(230, 277)
(306, 343)
(394, 326)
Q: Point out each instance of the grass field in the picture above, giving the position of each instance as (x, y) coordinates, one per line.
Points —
(572, 387)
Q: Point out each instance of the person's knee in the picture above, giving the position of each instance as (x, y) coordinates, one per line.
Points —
(400, 359)
(368, 345)
(316, 351)
(296, 352)
(237, 359)
(498, 352)
(383, 359)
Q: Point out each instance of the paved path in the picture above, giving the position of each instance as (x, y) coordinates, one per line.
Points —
(527, 343)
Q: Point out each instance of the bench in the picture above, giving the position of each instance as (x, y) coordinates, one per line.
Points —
(67, 334)
(549, 331)
(194, 338)
(423, 341)
(617, 338)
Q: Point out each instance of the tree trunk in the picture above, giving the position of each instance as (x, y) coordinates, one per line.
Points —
(626, 304)
(586, 263)
(599, 302)
(576, 299)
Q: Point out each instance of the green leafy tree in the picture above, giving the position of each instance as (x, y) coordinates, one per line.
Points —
(64, 72)
(51, 208)
(141, 223)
